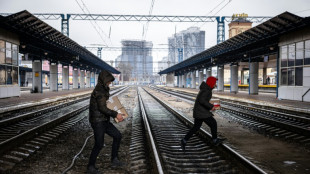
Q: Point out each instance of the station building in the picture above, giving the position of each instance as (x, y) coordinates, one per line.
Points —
(24, 36)
(281, 44)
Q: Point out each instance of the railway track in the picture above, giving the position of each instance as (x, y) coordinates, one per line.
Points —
(165, 127)
(285, 124)
(22, 138)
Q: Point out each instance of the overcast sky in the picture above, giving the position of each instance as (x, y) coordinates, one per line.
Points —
(158, 32)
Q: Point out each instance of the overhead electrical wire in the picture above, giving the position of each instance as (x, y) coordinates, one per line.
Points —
(98, 28)
(145, 29)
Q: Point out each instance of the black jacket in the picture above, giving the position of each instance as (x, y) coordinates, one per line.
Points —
(98, 110)
(202, 105)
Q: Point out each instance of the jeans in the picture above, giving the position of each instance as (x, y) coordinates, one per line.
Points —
(210, 121)
(100, 129)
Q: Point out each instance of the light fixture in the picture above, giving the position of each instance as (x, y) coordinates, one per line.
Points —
(23, 46)
(271, 48)
(46, 53)
(244, 55)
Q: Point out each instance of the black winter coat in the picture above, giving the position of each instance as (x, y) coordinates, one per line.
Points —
(98, 110)
(202, 105)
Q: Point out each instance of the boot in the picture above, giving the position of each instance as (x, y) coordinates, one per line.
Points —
(93, 170)
(218, 141)
(183, 144)
(117, 163)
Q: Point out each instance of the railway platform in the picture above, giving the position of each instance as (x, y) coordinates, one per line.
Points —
(29, 99)
(267, 99)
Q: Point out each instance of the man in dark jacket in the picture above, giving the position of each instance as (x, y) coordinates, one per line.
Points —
(99, 118)
(202, 112)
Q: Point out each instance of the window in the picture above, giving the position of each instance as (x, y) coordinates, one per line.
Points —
(9, 75)
(2, 52)
(299, 53)
(2, 75)
(284, 56)
(15, 75)
(307, 52)
(8, 53)
(14, 54)
(284, 76)
(299, 76)
(290, 77)
(291, 55)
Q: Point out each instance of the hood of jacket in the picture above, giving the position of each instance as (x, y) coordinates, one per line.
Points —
(105, 77)
(211, 81)
(204, 86)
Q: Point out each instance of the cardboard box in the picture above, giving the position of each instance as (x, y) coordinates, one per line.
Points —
(114, 104)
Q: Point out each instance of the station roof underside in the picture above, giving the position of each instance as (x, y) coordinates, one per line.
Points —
(40, 40)
(250, 45)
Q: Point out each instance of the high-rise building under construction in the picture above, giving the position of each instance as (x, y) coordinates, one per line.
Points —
(185, 44)
(136, 61)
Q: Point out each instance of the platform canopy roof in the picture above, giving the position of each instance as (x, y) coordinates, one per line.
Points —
(40, 40)
(22, 68)
(250, 45)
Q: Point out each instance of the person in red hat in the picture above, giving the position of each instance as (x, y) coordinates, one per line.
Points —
(202, 112)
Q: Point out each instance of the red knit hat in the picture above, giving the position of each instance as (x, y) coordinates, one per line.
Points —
(211, 81)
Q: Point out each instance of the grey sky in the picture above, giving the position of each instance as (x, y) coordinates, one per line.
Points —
(158, 32)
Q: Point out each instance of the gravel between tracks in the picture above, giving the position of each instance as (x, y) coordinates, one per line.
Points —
(273, 156)
(57, 155)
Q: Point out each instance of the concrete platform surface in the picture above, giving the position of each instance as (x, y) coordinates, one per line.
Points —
(268, 99)
(28, 99)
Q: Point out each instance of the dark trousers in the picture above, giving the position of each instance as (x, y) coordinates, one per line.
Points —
(210, 121)
(100, 129)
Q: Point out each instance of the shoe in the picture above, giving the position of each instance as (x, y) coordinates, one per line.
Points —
(117, 163)
(93, 170)
(218, 141)
(183, 144)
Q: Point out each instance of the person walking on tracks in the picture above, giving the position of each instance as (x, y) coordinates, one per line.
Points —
(99, 118)
(202, 112)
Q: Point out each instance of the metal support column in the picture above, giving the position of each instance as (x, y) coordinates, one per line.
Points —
(87, 79)
(75, 78)
(65, 77)
(53, 76)
(193, 79)
(234, 78)
(220, 29)
(82, 79)
(200, 77)
(253, 86)
(37, 76)
(208, 72)
(65, 24)
(220, 77)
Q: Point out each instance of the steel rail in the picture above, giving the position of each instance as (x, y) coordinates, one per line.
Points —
(251, 167)
(86, 140)
(147, 127)
(13, 141)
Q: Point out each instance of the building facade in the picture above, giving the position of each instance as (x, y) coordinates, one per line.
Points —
(185, 44)
(9, 83)
(294, 66)
(136, 62)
